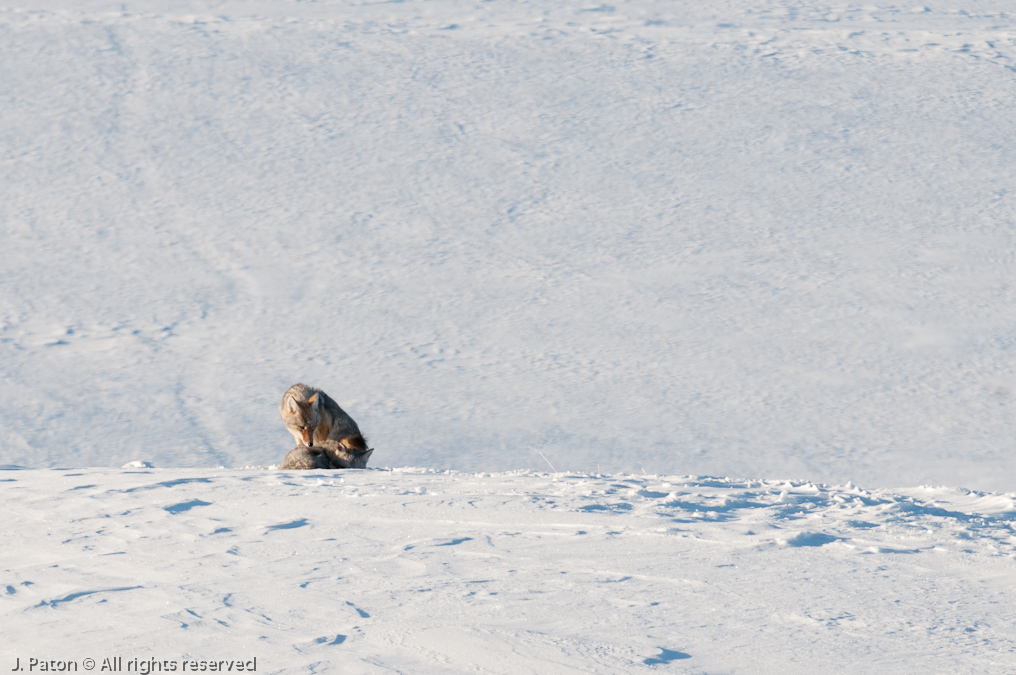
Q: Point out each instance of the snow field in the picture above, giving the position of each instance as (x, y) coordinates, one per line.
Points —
(746, 238)
(409, 570)
(654, 238)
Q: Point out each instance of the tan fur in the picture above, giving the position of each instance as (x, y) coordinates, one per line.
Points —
(301, 417)
(313, 418)
(324, 428)
(344, 457)
(357, 442)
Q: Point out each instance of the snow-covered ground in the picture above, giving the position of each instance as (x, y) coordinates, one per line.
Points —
(748, 238)
(763, 239)
(414, 571)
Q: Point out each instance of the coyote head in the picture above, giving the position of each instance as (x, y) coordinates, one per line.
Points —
(349, 453)
(303, 417)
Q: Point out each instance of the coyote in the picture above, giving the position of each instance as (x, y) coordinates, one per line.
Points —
(302, 457)
(329, 454)
(343, 457)
(313, 417)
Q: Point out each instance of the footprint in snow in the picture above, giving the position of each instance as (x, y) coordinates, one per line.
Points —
(811, 539)
(363, 614)
(290, 525)
(665, 656)
(337, 640)
(185, 506)
(455, 542)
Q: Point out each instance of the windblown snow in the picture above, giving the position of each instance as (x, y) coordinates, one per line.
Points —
(416, 571)
(635, 243)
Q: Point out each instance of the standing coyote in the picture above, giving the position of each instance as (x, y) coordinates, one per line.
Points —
(313, 417)
(328, 454)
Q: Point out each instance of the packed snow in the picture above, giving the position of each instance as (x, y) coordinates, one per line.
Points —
(416, 571)
(640, 245)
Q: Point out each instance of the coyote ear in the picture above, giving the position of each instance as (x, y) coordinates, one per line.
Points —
(313, 400)
(293, 405)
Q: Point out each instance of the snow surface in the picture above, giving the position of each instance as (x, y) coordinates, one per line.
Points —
(763, 239)
(416, 571)
(749, 238)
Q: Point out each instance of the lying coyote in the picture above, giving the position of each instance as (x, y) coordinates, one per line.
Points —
(325, 455)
